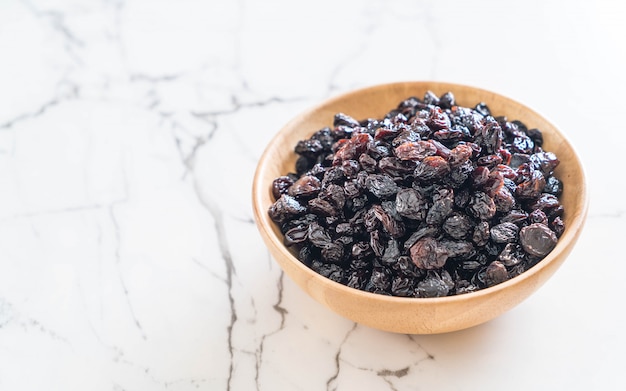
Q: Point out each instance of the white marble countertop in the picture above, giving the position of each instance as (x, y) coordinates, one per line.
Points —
(129, 134)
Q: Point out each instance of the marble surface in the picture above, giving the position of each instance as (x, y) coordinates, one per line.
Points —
(129, 134)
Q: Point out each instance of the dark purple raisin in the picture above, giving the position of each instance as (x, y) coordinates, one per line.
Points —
(392, 226)
(416, 151)
(284, 208)
(522, 144)
(435, 285)
(376, 243)
(481, 233)
(307, 254)
(480, 175)
(531, 185)
(459, 249)
(335, 195)
(358, 278)
(304, 164)
(515, 216)
(309, 147)
(351, 189)
(403, 286)
(322, 207)
(437, 119)
(391, 253)
(306, 186)
(511, 255)
(325, 137)
(332, 252)
(345, 120)
(430, 98)
(280, 186)
(504, 233)
(460, 174)
(481, 206)
(489, 161)
(537, 239)
(546, 203)
(459, 155)
(411, 204)
(457, 225)
(368, 163)
(362, 250)
(496, 273)
(482, 109)
(404, 266)
(536, 136)
(428, 254)
(504, 200)
(318, 236)
(405, 136)
(329, 270)
(353, 148)
(546, 162)
(537, 216)
(425, 231)
(344, 229)
(447, 100)
(296, 235)
(558, 226)
(380, 281)
(490, 135)
(381, 186)
(443, 204)
(553, 186)
(395, 167)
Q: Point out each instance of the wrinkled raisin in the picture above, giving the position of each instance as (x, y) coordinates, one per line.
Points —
(428, 254)
(433, 199)
(537, 239)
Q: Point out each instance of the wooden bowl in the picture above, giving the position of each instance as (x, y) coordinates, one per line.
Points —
(416, 315)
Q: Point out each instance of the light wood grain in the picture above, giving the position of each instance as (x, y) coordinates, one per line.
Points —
(416, 315)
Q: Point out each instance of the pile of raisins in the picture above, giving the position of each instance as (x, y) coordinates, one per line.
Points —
(432, 200)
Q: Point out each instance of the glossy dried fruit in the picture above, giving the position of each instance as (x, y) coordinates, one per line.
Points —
(481, 206)
(296, 235)
(331, 271)
(411, 204)
(284, 208)
(496, 273)
(435, 285)
(537, 239)
(431, 168)
(443, 204)
(417, 151)
(428, 254)
(433, 199)
(504, 233)
(305, 186)
(309, 147)
(352, 148)
(380, 280)
(459, 155)
(318, 236)
(457, 225)
(381, 186)
(281, 185)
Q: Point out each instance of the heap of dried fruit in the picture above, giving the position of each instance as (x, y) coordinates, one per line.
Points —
(434, 199)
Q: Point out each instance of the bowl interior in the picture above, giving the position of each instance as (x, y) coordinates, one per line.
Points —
(416, 315)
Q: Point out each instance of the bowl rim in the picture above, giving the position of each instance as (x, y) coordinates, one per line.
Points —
(572, 231)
